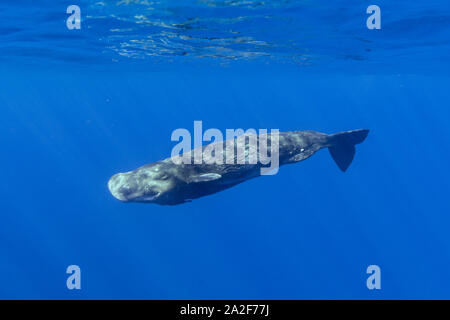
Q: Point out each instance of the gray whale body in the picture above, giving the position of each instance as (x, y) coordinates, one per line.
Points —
(167, 183)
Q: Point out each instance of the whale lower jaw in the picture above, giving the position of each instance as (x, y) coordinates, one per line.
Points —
(146, 198)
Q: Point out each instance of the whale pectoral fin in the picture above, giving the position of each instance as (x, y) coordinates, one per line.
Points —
(205, 177)
(297, 158)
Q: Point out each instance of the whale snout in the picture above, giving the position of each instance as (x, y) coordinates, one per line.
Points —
(130, 187)
(119, 188)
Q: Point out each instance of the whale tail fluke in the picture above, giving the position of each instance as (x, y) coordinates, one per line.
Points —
(342, 146)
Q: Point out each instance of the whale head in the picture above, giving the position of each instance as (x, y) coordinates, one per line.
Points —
(151, 183)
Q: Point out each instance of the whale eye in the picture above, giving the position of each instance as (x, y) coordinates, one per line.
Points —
(162, 176)
(144, 176)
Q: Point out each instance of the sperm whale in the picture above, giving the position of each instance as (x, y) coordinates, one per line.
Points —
(168, 182)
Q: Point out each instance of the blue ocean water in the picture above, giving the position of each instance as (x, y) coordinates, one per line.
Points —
(78, 106)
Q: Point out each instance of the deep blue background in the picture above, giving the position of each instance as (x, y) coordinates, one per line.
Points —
(308, 232)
